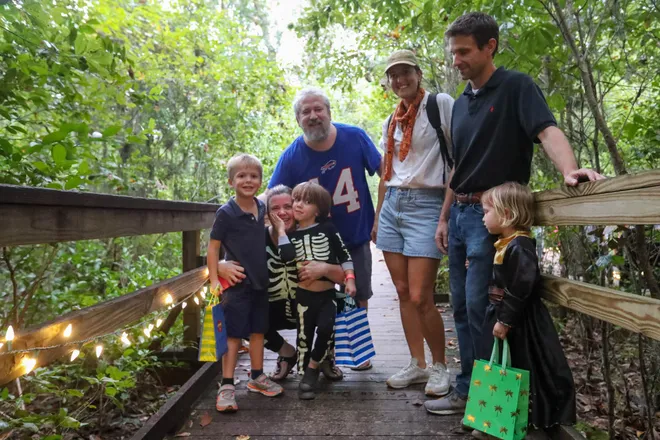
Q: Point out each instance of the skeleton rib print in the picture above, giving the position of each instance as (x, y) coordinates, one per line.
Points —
(283, 277)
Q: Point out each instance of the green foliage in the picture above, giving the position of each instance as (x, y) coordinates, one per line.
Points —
(139, 99)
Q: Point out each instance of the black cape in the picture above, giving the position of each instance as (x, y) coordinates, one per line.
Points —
(533, 340)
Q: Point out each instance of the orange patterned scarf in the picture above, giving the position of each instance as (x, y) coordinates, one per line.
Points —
(405, 117)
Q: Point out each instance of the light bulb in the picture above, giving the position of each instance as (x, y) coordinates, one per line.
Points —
(124, 339)
(169, 299)
(151, 327)
(68, 330)
(206, 272)
(184, 304)
(159, 322)
(10, 334)
(29, 364)
(2, 344)
(99, 350)
(196, 300)
(147, 332)
(75, 354)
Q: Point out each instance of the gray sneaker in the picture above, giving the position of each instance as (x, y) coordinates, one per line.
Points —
(409, 375)
(450, 404)
(226, 399)
(439, 380)
(265, 386)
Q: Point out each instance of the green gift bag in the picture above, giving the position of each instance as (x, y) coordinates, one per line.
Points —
(207, 351)
(498, 401)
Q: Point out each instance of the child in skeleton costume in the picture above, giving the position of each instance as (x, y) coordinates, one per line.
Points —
(315, 239)
(516, 311)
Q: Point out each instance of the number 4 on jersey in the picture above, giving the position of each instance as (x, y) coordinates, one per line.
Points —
(345, 192)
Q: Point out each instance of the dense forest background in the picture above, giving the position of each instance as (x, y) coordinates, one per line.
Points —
(150, 98)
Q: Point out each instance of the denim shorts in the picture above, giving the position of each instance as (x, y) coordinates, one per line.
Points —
(408, 221)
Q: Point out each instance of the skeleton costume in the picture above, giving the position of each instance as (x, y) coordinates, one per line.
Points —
(282, 285)
(316, 310)
(515, 301)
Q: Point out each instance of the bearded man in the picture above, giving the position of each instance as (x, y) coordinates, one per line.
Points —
(336, 156)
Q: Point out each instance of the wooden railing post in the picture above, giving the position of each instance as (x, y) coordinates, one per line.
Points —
(191, 314)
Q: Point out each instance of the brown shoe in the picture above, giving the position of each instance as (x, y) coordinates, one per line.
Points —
(330, 370)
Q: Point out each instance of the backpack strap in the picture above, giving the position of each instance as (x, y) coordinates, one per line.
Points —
(433, 113)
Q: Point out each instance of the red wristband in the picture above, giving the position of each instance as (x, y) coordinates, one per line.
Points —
(349, 276)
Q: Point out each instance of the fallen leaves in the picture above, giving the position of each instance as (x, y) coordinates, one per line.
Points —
(205, 420)
(182, 434)
(417, 402)
(243, 437)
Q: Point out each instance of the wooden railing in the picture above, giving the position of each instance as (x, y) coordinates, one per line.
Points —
(36, 216)
(625, 200)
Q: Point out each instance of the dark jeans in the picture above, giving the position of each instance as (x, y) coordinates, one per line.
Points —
(469, 239)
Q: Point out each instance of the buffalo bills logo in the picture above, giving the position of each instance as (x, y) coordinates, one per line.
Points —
(328, 166)
(219, 326)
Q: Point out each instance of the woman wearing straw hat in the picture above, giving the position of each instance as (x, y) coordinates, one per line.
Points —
(416, 165)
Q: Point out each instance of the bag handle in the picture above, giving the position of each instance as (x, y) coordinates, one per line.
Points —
(349, 304)
(495, 355)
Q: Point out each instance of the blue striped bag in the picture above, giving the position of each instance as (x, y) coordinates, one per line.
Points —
(353, 343)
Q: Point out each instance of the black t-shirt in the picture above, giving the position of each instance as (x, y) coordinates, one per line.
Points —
(242, 238)
(493, 131)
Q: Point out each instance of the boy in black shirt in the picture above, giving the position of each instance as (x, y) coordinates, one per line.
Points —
(239, 228)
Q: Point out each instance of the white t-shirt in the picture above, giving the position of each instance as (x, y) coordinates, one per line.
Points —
(424, 166)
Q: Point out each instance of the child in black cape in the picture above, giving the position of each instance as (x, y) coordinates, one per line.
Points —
(516, 311)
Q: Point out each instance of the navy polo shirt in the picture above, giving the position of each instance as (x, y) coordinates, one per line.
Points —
(242, 238)
(494, 131)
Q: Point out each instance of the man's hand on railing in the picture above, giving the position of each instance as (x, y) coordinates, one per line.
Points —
(582, 175)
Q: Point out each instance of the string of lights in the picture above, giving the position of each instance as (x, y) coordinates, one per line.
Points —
(29, 362)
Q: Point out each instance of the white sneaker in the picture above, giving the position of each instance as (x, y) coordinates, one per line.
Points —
(439, 380)
(409, 375)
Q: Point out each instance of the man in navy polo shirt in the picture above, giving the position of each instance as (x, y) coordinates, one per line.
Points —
(495, 123)
(335, 156)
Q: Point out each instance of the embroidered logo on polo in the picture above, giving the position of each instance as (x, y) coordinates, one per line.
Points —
(328, 166)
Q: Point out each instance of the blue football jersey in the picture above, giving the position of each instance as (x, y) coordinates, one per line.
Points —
(342, 171)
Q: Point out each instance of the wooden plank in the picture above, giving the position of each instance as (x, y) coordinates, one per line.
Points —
(171, 415)
(633, 312)
(329, 427)
(628, 182)
(639, 206)
(23, 195)
(96, 320)
(35, 224)
(191, 314)
(206, 436)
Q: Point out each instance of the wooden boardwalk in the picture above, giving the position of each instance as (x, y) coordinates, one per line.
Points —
(359, 406)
